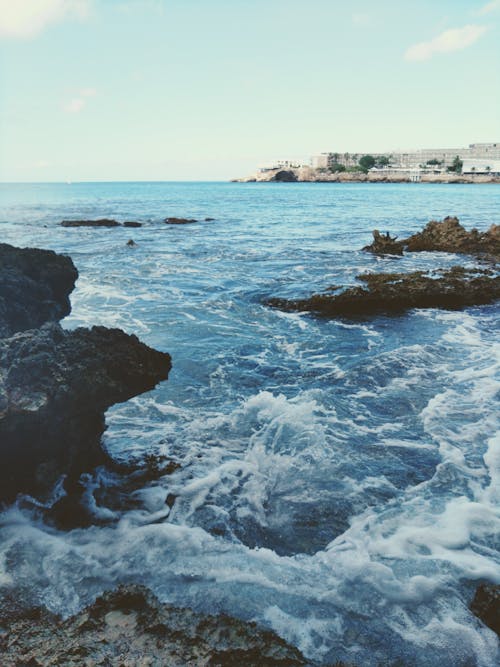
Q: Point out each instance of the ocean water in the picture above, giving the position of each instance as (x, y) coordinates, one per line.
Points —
(339, 480)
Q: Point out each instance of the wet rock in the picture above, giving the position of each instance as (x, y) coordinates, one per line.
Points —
(131, 223)
(179, 221)
(285, 176)
(103, 222)
(486, 606)
(55, 386)
(384, 244)
(396, 292)
(449, 236)
(209, 219)
(34, 288)
(130, 627)
(131, 243)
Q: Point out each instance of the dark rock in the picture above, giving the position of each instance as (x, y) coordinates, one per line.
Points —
(284, 176)
(384, 244)
(209, 219)
(34, 288)
(54, 388)
(131, 223)
(450, 236)
(131, 243)
(124, 626)
(179, 221)
(103, 222)
(486, 606)
(396, 292)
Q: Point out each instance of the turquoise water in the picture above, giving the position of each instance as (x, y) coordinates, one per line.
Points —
(338, 480)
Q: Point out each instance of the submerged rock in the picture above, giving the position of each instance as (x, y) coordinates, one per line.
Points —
(103, 222)
(132, 223)
(396, 292)
(34, 288)
(179, 221)
(486, 606)
(129, 626)
(54, 388)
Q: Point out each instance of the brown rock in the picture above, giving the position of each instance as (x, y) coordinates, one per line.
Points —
(486, 606)
(396, 292)
(130, 627)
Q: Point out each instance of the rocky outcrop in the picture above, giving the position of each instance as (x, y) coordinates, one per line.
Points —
(448, 235)
(179, 221)
(396, 292)
(486, 606)
(130, 627)
(284, 176)
(103, 222)
(54, 388)
(34, 288)
(384, 244)
(55, 385)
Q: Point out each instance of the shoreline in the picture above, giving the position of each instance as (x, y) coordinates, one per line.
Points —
(309, 175)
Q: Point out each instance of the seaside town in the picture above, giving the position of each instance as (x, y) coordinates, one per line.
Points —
(479, 162)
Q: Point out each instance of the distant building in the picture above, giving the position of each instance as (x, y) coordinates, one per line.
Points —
(284, 164)
(484, 167)
(429, 158)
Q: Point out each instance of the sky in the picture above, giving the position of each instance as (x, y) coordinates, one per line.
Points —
(210, 89)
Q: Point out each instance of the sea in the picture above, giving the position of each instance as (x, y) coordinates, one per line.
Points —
(336, 480)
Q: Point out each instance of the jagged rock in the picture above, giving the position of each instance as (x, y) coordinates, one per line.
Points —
(130, 627)
(486, 606)
(131, 223)
(285, 176)
(54, 388)
(384, 244)
(449, 236)
(34, 287)
(103, 222)
(179, 221)
(396, 292)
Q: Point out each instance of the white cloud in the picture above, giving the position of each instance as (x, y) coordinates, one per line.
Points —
(76, 104)
(26, 18)
(490, 7)
(449, 40)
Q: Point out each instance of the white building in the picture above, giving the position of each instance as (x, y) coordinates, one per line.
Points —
(485, 167)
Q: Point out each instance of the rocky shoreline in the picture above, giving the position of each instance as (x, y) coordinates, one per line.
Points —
(55, 386)
(310, 175)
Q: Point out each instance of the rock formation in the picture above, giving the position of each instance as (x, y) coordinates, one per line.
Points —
(34, 288)
(130, 627)
(179, 221)
(284, 176)
(384, 244)
(55, 385)
(103, 222)
(396, 292)
(447, 235)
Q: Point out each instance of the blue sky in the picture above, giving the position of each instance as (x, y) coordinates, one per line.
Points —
(209, 89)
